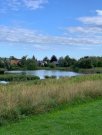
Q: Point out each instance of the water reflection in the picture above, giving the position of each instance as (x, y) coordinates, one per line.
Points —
(43, 73)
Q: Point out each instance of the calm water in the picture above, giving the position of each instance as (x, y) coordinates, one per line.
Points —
(43, 73)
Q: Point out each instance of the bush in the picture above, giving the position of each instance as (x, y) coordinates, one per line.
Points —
(53, 76)
(11, 77)
(46, 76)
(52, 65)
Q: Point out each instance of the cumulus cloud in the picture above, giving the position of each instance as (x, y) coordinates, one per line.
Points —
(15, 5)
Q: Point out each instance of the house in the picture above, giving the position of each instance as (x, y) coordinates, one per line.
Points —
(42, 63)
(55, 63)
(15, 62)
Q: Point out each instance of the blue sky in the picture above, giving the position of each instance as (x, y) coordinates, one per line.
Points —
(47, 27)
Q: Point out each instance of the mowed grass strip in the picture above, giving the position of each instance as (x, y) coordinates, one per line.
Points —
(80, 119)
(25, 98)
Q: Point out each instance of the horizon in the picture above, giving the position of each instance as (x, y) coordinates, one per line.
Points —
(47, 27)
(47, 57)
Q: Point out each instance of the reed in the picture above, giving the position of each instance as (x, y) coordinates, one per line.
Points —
(23, 98)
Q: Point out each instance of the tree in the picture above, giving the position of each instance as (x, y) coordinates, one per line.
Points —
(46, 59)
(53, 59)
(7, 64)
(85, 62)
(23, 61)
(61, 62)
(31, 64)
(67, 61)
(33, 58)
(2, 64)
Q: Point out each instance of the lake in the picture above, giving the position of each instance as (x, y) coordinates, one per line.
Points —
(43, 73)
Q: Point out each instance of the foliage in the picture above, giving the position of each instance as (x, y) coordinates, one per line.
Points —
(85, 63)
(51, 65)
(53, 58)
(31, 64)
(28, 64)
(67, 62)
(16, 77)
(46, 59)
(89, 62)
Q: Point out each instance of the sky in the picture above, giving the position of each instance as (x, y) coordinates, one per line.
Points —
(47, 27)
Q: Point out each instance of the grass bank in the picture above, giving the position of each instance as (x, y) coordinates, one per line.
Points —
(97, 70)
(25, 98)
(81, 119)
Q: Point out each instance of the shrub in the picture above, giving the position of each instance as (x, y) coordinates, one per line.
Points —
(12, 77)
(52, 65)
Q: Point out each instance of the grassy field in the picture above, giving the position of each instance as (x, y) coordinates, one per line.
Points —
(79, 119)
(19, 99)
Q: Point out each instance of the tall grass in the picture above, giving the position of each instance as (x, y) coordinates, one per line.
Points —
(20, 99)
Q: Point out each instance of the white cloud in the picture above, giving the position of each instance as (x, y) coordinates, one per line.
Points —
(34, 4)
(16, 5)
(26, 36)
(85, 36)
(99, 12)
(90, 30)
(96, 20)
(89, 34)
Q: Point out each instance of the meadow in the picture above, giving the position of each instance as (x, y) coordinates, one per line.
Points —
(74, 119)
(20, 99)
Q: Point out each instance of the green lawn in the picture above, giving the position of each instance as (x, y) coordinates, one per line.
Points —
(82, 119)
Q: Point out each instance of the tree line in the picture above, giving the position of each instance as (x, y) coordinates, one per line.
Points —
(26, 63)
